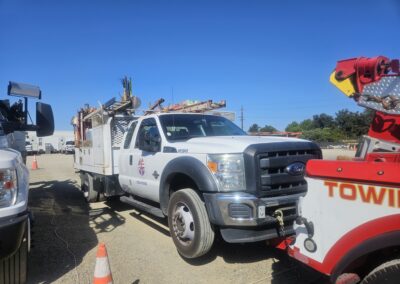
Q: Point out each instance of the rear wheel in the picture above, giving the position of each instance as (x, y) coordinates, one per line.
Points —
(14, 268)
(188, 223)
(91, 188)
(388, 272)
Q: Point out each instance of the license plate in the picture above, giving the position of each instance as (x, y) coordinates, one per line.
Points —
(261, 211)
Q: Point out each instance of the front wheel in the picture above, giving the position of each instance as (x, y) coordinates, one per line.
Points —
(188, 223)
(14, 268)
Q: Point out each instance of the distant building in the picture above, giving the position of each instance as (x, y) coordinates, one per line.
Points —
(57, 140)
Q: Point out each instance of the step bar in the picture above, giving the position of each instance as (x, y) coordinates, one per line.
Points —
(142, 206)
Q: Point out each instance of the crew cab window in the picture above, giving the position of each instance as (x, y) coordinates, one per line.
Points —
(129, 135)
(147, 128)
(186, 126)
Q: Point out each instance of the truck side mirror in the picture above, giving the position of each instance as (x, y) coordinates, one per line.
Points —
(44, 120)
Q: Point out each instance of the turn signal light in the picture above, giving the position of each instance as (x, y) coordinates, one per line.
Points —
(213, 166)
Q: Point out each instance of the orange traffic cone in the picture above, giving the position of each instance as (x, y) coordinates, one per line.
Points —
(102, 272)
(34, 163)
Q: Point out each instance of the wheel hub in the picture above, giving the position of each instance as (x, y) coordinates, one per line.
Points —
(183, 223)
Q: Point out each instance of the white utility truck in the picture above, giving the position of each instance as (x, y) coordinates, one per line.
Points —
(15, 218)
(201, 171)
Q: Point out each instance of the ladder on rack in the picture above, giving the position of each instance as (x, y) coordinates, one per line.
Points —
(111, 106)
(187, 106)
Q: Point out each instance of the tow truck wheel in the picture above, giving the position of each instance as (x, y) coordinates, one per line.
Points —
(188, 223)
(88, 184)
(14, 268)
(388, 272)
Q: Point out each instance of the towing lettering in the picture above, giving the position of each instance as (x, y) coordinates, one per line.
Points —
(366, 193)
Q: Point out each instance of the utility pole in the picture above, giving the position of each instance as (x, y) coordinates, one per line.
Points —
(241, 116)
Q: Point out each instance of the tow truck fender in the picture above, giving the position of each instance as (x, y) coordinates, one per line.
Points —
(190, 167)
(377, 243)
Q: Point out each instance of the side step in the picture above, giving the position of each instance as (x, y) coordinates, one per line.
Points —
(142, 206)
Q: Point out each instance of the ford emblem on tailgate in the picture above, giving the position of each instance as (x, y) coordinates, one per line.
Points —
(296, 169)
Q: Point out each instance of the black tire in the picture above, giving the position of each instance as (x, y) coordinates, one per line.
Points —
(388, 273)
(14, 268)
(91, 188)
(201, 233)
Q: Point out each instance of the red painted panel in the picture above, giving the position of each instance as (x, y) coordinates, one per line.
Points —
(357, 236)
(385, 127)
(357, 171)
(349, 241)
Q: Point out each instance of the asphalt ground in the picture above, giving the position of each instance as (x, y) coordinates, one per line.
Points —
(67, 231)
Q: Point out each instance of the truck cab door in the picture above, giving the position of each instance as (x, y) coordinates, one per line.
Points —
(147, 160)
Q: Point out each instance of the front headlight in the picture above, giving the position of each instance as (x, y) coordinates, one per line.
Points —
(228, 170)
(8, 187)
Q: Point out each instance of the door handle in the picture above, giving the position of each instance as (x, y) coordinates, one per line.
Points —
(130, 160)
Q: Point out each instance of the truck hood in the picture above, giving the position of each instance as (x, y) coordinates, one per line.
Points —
(9, 158)
(226, 144)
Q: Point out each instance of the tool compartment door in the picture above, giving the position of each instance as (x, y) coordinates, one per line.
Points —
(98, 146)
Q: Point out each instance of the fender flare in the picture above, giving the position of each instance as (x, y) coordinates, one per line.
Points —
(386, 240)
(191, 167)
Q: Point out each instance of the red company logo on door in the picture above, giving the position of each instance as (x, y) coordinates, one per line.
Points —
(141, 166)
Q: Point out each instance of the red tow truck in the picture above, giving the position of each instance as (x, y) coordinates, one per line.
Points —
(349, 224)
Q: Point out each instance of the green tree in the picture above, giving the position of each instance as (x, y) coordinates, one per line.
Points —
(354, 124)
(293, 127)
(254, 128)
(323, 135)
(268, 128)
(323, 120)
(307, 124)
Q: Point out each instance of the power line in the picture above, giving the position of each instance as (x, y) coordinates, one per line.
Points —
(241, 116)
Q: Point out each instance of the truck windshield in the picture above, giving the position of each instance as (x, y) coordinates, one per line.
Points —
(186, 126)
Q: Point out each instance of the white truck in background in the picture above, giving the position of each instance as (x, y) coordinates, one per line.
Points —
(68, 147)
(15, 218)
(200, 171)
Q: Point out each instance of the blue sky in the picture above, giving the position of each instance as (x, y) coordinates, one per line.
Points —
(271, 57)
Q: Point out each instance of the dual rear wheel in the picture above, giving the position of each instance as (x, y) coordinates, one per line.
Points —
(92, 188)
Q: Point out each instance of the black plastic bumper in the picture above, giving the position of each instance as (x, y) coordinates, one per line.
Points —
(12, 230)
(249, 235)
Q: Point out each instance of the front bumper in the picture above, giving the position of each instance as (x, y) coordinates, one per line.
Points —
(12, 230)
(243, 217)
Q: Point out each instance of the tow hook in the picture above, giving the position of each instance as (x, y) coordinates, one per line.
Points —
(309, 243)
(308, 224)
(278, 214)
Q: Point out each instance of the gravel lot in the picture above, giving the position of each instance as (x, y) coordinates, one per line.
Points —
(67, 231)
